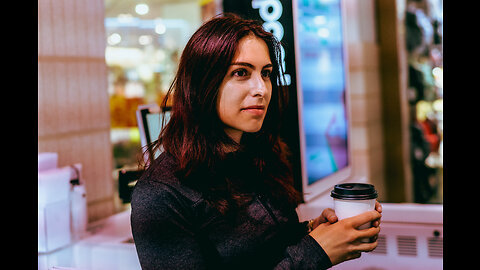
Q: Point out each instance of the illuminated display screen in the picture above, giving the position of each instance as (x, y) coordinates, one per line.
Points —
(322, 79)
(151, 125)
(154, 122)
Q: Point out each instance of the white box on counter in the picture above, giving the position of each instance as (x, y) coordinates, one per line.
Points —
(54, 226)
(53, 185)
(54, 211)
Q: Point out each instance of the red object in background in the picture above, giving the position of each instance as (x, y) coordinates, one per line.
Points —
(430, 133)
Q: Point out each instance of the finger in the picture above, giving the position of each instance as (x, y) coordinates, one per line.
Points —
(368, 233)
(354, 255)
(378, 207)
(366, 247)
(377, 222)
(363, 218)
(330, 215)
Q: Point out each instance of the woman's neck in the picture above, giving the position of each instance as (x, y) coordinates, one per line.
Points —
(234, 134)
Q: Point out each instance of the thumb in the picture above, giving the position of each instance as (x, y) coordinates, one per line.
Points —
(328, 215)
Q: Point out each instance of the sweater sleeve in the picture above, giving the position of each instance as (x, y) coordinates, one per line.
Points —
(307, 254)
(161, 229)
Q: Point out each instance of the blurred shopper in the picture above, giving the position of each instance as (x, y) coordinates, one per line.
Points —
(221, 195)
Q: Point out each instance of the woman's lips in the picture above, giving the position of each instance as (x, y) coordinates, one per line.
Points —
(255, 110)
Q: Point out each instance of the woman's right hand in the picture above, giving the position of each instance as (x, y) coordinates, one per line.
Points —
(341, 240)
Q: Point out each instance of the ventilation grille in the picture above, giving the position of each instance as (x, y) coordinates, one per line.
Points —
(382, 245)
(407, 245)
(435, 247)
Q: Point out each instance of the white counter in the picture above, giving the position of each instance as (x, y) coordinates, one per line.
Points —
(108, 245)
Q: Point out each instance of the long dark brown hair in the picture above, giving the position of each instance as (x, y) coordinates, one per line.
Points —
(195, 135)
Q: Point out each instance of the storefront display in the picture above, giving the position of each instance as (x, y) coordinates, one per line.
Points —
(423, 24)
(144, 41)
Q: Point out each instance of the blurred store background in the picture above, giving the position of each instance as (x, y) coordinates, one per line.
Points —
(98, 60)
(144, 42)
(145, 39)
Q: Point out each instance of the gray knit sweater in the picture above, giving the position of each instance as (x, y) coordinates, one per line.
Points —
(174, 227)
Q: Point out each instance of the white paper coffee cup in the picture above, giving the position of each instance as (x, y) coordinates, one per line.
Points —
(352, 199)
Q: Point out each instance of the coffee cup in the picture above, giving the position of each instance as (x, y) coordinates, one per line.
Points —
(352, 199)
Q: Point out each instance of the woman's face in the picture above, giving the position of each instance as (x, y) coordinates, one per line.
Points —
(245, 92)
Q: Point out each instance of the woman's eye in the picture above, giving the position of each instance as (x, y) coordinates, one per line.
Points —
(266, 73)
(240, 72)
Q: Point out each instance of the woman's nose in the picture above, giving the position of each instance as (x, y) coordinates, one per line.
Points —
(259, 87)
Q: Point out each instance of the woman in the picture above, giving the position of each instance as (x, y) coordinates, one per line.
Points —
(221, 195)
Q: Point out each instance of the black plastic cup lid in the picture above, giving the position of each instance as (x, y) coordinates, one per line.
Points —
(354, 191)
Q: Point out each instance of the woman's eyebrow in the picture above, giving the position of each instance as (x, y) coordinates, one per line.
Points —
(250, 65)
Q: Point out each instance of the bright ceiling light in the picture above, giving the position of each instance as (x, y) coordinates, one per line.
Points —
(160, 29)
(145, 39)
(141, 9)
(114, 39)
